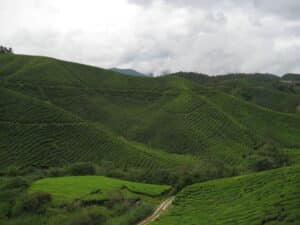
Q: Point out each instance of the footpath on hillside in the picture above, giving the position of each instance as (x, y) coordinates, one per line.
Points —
(159, 210)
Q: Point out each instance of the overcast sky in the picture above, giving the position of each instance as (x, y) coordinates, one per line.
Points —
(208, 36)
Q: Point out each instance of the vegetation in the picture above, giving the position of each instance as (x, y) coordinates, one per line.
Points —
(91, 187)
(78, 143)
(76, 200)
(270, 197)
(61, 112)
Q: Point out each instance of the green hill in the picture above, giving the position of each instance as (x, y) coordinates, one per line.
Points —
(267, 90)
(61, 119)
(270, 197)
(277, 126)
(59, 112)
(37, 133)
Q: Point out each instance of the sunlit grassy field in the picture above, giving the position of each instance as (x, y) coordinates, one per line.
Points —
(64, 189)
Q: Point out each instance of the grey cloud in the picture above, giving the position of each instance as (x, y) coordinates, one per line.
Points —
(289, 9)
(180, 2)
(211, 37)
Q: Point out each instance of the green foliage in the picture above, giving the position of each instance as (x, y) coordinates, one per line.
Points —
(119, 205)
(12, 171)
(82, 169)
(90, 216)
(17, 182)
(32, 203)
(268, 157)
(57, 172)
(133, 215)
(259, 198)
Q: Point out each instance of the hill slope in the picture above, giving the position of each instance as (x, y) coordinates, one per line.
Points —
(270, 197)
(72, 112)
(270, 91)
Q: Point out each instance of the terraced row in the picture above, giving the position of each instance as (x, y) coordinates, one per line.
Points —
(47, 145)
(16, 107)
(263, 122)
(59, 103)
(268, 197)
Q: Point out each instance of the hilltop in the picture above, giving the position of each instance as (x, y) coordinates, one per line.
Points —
(128, 72)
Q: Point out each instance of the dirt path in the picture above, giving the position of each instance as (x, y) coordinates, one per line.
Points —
(159, 210)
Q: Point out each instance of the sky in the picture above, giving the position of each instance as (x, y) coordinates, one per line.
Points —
(159, 36)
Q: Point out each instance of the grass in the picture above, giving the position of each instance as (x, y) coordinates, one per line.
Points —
(270, 197)
(64, 189)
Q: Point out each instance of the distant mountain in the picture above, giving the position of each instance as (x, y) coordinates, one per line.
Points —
(130, 72)
(291, 76)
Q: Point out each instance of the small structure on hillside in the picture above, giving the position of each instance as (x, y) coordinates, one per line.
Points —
(4, 50)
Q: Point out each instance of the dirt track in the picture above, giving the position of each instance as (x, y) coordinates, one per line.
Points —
(159, 210)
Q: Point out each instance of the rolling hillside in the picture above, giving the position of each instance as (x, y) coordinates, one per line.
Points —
(37, 133)
(270, 197)
(267, 90)
(61, 121)
(59, 112)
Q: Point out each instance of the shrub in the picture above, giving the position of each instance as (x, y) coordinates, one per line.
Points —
(261, 163)
(33, 203)
(56, 172)
(268, 156)
(89, 216)
(17, 182)
(133, 215)
(114, 197)
(12, 171)
(4, 210)
(79, 169)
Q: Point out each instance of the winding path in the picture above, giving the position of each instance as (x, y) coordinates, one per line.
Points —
(159, 210)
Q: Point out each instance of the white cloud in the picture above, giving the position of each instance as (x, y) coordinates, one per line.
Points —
(160, 35)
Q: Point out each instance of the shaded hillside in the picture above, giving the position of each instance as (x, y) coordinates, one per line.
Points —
(74, 112)
(291, 77)
(37, 133)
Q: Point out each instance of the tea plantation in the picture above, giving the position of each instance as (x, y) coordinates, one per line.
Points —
(80, 144)
(270, 197)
